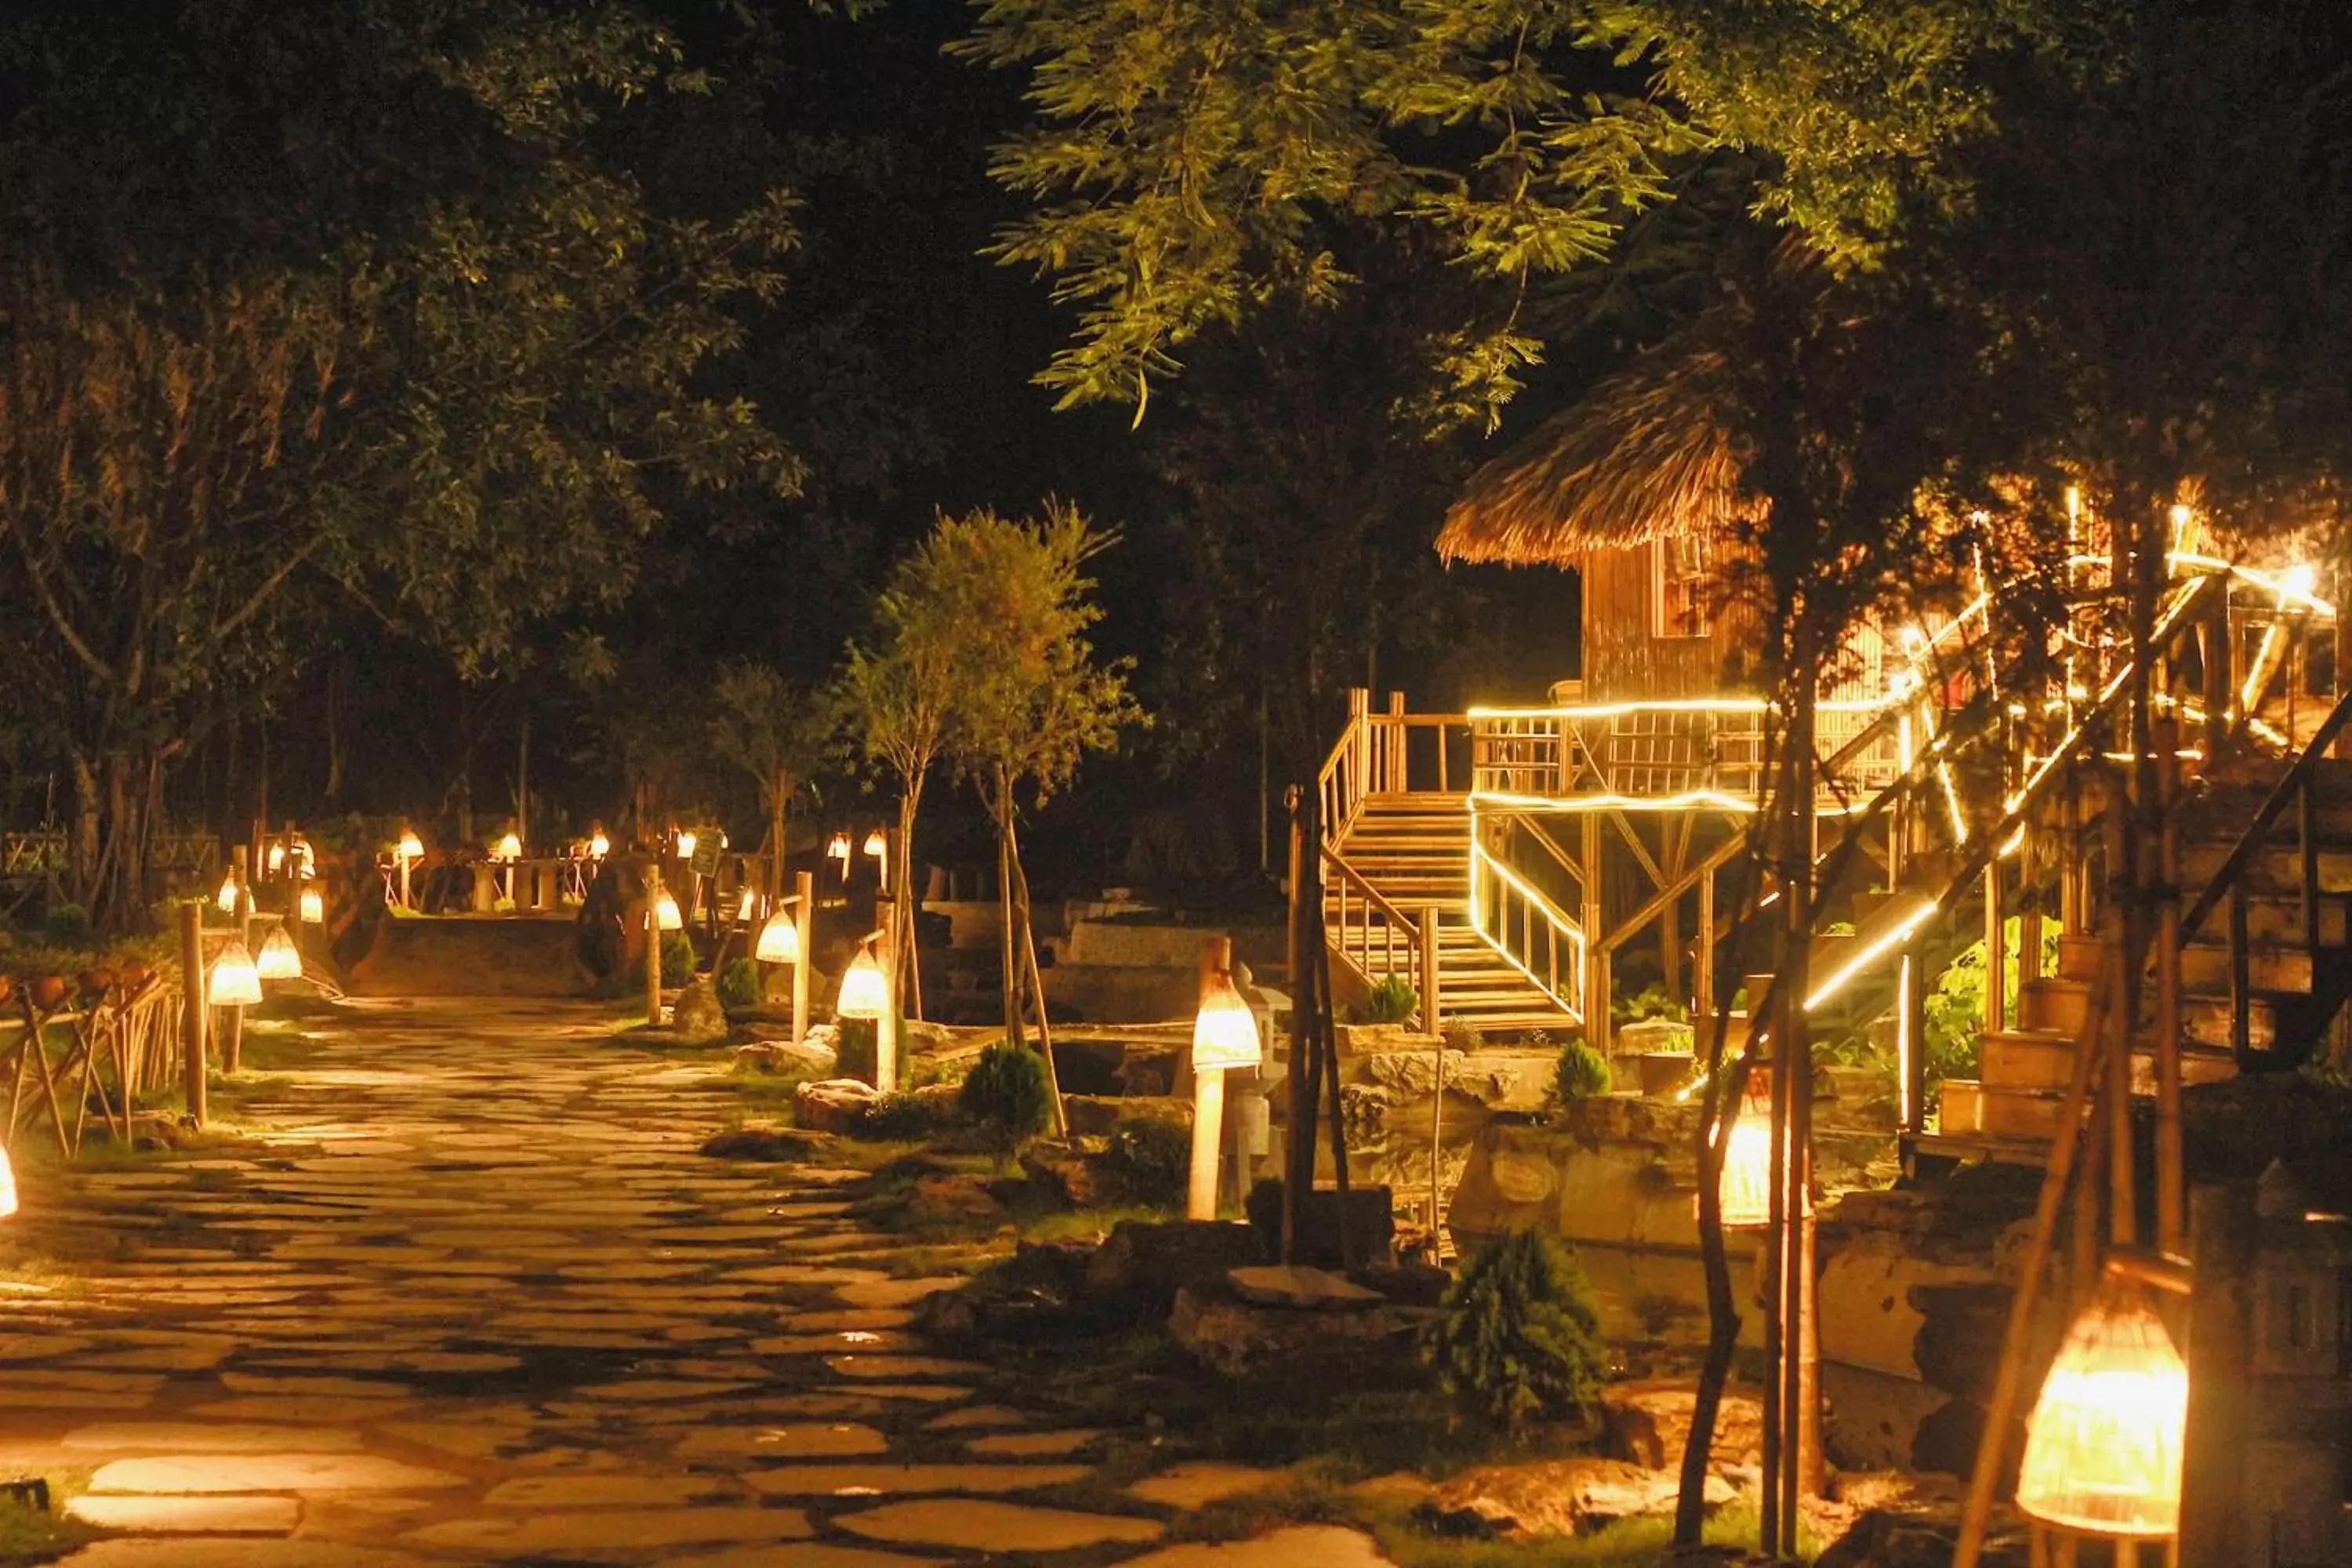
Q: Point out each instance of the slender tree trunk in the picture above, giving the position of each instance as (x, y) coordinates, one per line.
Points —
(904, 902)
(1021, 911)
(1009, 987)
(780, 794)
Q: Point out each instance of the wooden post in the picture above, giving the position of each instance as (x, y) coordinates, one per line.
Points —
(194, 1006)
(1400, 771)
(652, 942)
(2219, 693)
(1432, 1017)
(1596, 957)
(233, 1028)
(2171, 1187)
(1996, 941)
(886, 1028)
(803, 925)
(1706, 977)
(2123, 1198)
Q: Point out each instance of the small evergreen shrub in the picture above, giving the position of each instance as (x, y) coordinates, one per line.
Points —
(1004, 1096)
(856, 1048)
(739, 984)
(1518, 1337)
(1152, 1160)
(903, 1119)
(1393, 1001)
(1581, 1074)
(1465, 1037)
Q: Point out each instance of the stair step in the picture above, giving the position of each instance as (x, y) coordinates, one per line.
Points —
(2277, 865)
(2044, 1063)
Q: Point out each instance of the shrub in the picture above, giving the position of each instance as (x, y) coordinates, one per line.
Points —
(1152, 1160)
(677, 962)
(856, 1047)
(66, 925)
(1517, 1336)
(739, 984)
(902, 1119)
(1393, 1001)
(1004, 1095)
(1465, 1037)
(1581, 1073)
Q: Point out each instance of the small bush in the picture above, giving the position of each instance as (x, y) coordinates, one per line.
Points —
(903, 1119)
(677, 958)
(1005, 1096)
(1465, 1037)
(67, 925)
(856, 1046)
(1518, 1337)
(1581, 1073)
(1393, 1001)
(1152, 1160)
(739, 984)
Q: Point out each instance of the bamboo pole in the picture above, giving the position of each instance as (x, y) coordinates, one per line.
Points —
(1208, 1096)
(192, 1010)
(805, 934)
(653, 942)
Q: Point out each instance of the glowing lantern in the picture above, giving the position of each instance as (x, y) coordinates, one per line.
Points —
(598, 845)
(2298, 580)
(865, 990)
(276, 859)
(226, 897)
(511, 847)
(235, 983)
(7, 1186)
(780, 940)
(411, 847)
(279, 959)
(1745, 1187)
(744, 907)
(2104, 1444)
(666, 915)
(878, 844)
(1225, 1031)
(314, 907)
(686, 842)
(837, 849)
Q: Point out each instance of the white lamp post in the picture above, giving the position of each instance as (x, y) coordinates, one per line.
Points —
(1225, 1035)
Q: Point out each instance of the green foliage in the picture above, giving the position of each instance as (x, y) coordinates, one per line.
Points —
(677, 962)
(1581, 1074)
(1518, 1337)
(739, 984)
(769, 728)
(1188, 164)
(903, 1119)
(1650, 1002)
(66, 925)
(1464, 1036)
(1393, 1001)
(1005, 1095)
(1956, 1007)
(854, 1048)
(1152, 1160)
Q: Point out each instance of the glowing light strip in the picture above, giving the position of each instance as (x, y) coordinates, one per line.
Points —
(1703, 799)
(1620, 710)
(1952, 803)
(2270, 583)
(1862, 959)
(1906, 1111)
(1544, 907)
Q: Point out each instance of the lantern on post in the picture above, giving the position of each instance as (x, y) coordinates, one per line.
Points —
(837, 849)
(780, 939)
(877, 845)
(1744, 1185)
(234, 981)
(686, 843)
(314, 907)
(279, 959)
(665, 912)
(2104, 1444)
(7, 1186)
(599, 846)
(1224, 1037)
(508, 850)
(226, 897)
(411, 850)
(864, 989)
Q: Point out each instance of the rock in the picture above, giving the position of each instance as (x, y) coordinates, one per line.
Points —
(1406, 1063)
(1146, 1073)
(1238, 1339)
(832, 1104)
(1520, 1179)
(952, 1196)
(1098, 1115)
(1077, 1176)
(762, 1144)
(1364, 1111)
(1923, 1537)
(1279, 1284)
(1649, 1423)
(696, 1014)
(789, 1058)
(1563, 1497)
(1150, 1262)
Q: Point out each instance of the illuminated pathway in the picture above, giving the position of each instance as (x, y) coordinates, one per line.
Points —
(479, 1300)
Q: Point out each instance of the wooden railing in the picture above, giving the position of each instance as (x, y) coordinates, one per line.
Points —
(1390, 752)
(1378, 939)
(2230, 879)
(1526, 928)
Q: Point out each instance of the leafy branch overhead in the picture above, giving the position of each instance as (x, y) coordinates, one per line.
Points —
(1189, 163)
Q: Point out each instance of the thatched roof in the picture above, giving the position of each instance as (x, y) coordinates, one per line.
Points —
(1645, 456)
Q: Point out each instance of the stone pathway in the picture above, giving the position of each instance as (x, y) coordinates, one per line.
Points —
(477, 1299)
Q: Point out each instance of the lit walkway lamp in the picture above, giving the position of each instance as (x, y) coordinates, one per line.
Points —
(1224, 1037)
(279, 959)
(865, 993)
(410, 852)
(837, 849)
(236, 981)
(2102, 1446)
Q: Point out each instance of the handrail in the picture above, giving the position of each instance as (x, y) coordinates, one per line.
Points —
(1371, 895)
(1486, 869)
(2273, 804)
(1354, 942)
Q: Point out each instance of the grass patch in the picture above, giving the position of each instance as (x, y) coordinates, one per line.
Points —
(28, 1535)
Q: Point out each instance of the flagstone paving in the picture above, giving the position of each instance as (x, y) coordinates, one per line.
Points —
(472, 1296)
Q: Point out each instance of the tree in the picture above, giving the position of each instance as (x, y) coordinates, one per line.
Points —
(1034, 699)
(776, 732)
(365, 305)
(1189, 163)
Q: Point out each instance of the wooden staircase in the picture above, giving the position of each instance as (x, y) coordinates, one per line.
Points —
(1411, 850)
